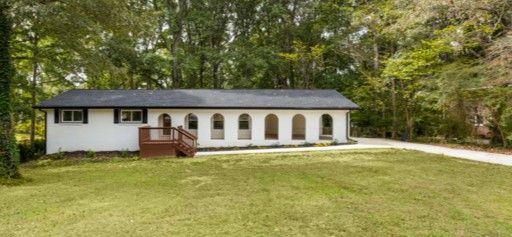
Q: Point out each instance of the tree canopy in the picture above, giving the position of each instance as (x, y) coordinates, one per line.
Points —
(416, 68)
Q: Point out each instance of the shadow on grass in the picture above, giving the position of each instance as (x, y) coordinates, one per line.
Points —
(15, 182)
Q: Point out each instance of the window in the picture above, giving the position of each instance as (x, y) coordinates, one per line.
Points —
(218, 124)
(243, 122)
(326, 127)
(327, 121)
(191, 121)
(244, 127)
(271, 127)
(131, 116)
(218, 121)
(72, 116)
(192, 124)
(217, 128)
(299, 127)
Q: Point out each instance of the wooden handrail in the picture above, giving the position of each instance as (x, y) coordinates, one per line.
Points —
(187, 133)
(145, 136)
(180, 139)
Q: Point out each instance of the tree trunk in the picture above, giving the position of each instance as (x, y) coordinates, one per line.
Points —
(33, 90)
(409, 123)
(306, 71)
(394, 109)
(176, 70)
(383, 132)
(497, 119)
(131, 79)
(201, 70)
(192, 80)
(8, 148)
(291, 75)
(178, 10)
(502, 136)
(376, 67)
(376, 58)
(289, 41)
(215, 75)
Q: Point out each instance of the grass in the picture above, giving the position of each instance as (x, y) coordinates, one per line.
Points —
(376, 192)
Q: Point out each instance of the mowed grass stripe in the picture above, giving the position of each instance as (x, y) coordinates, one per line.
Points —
(378, 192)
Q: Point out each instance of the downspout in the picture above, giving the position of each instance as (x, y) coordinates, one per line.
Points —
(45, 129)
(347, 123)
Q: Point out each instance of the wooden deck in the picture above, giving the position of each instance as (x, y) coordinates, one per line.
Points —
(166, 141)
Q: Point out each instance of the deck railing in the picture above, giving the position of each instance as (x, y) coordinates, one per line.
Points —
(167, 135)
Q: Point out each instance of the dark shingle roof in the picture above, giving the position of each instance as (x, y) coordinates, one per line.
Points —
(201, 98)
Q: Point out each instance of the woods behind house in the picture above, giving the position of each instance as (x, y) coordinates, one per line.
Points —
(421, 68)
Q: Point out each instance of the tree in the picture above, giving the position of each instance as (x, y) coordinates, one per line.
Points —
(411, 65)
(8, 148)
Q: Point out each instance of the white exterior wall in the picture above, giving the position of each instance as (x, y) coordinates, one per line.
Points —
(101, 134)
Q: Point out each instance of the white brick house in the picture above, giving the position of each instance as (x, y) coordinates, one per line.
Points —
(108, 120)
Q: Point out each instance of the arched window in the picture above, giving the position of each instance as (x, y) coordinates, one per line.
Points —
(191, 123)
(271, 127)
(326, 127)
(164, 121)
(244, 126)
(298, 127)
(217, 131)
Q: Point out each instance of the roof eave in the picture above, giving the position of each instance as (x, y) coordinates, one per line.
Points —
(196, 107)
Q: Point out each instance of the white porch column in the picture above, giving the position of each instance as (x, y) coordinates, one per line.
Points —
(231, 127)
(285, 127)
(339, 126)
(203, 127)
(312, 126)
(258, 126)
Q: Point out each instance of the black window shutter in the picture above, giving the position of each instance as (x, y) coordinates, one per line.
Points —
(56, 115)
(116, 115)
(144, 115)
(85, 115)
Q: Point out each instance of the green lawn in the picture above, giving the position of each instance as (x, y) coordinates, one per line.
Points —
(388, 192)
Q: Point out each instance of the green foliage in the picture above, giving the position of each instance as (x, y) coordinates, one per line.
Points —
(90, 154)
(9, 157)
(418, 66)
(432, 58)
(59, 155)
(498, 101)
(124, 154)
(30, 151)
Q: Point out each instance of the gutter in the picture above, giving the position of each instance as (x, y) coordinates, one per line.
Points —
(191, 107)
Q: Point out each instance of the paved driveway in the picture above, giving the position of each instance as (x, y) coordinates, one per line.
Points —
(488, 157)
(371, 143)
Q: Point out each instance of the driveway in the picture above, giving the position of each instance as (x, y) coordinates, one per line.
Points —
(373, 143)
(488, 157)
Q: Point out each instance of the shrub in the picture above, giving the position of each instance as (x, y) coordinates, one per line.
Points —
(27, 153)
(90, 154)
(124, 154)
(59, 155)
